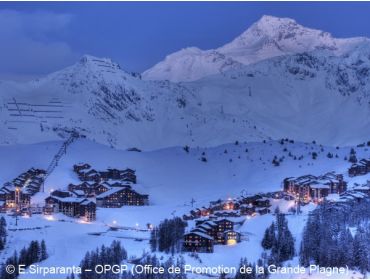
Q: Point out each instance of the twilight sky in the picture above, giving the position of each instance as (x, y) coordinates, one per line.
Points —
(37, 38)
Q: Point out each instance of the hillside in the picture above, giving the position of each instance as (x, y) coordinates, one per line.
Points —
(230, 170)
(316, 89)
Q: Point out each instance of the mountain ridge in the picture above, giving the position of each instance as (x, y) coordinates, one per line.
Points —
(266, 38)
(313, 95)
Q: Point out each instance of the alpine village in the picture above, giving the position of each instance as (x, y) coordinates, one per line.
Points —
(215, 224)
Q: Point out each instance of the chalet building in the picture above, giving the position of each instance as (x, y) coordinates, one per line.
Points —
(48, 209)
(262, 202)
(299, 187)
(194, 214)
(71, 206)
(207, 228)
(198, 242)
(128, 175)
(352, 197)
(244, 205)
(363, 189)
(231, 237)
(12, 196)
(78, 193)
(275, 195)
(52, 201)
(87, 188)
(219, 205)
(247, 209)
(257, 200)
(120, 196)
(208, 233)
(224, 225)
(228, 205)
(115, 174)
(360, 168)
(249, 199)
(27, 184)
(315, 188)
(60, 193)
(82, 166)
(88, 210)
(214, 228)
(200, 221)
(102, 188)
(73, 192)
(226, 214)
(16, 197)
(86, 173)
(90, 175)
(202, 212)
(318, 191)
(3, 193)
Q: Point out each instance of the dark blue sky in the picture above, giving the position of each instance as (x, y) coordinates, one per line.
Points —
(139, 34)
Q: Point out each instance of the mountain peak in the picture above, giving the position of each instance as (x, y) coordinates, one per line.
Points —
(89, 60)
(272, 20)
(268, 37)
(278, 29)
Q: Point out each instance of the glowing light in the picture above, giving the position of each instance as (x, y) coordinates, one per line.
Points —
(114, 222)
(231, 242)
(50, 218)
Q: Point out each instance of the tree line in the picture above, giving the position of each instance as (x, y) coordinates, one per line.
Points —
(337, 235)
(279, 240)
(3, 233)
(168, 235)
(112, 255)
(35, 252)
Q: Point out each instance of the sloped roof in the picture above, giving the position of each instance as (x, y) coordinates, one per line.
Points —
(110, 192)
(201, 234)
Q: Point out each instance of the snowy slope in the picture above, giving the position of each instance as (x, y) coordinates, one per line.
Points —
(320, 94)
(172, 178)
(229, 169)
(308, 96)
(107, 104)
(268, 37)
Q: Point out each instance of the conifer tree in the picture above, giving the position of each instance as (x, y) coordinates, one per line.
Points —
(44, 253)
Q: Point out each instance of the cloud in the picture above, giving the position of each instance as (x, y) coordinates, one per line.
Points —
(29, 45)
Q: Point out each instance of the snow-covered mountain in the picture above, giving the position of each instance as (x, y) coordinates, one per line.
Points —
(322, 94)
(268, 37)
(105, 103)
